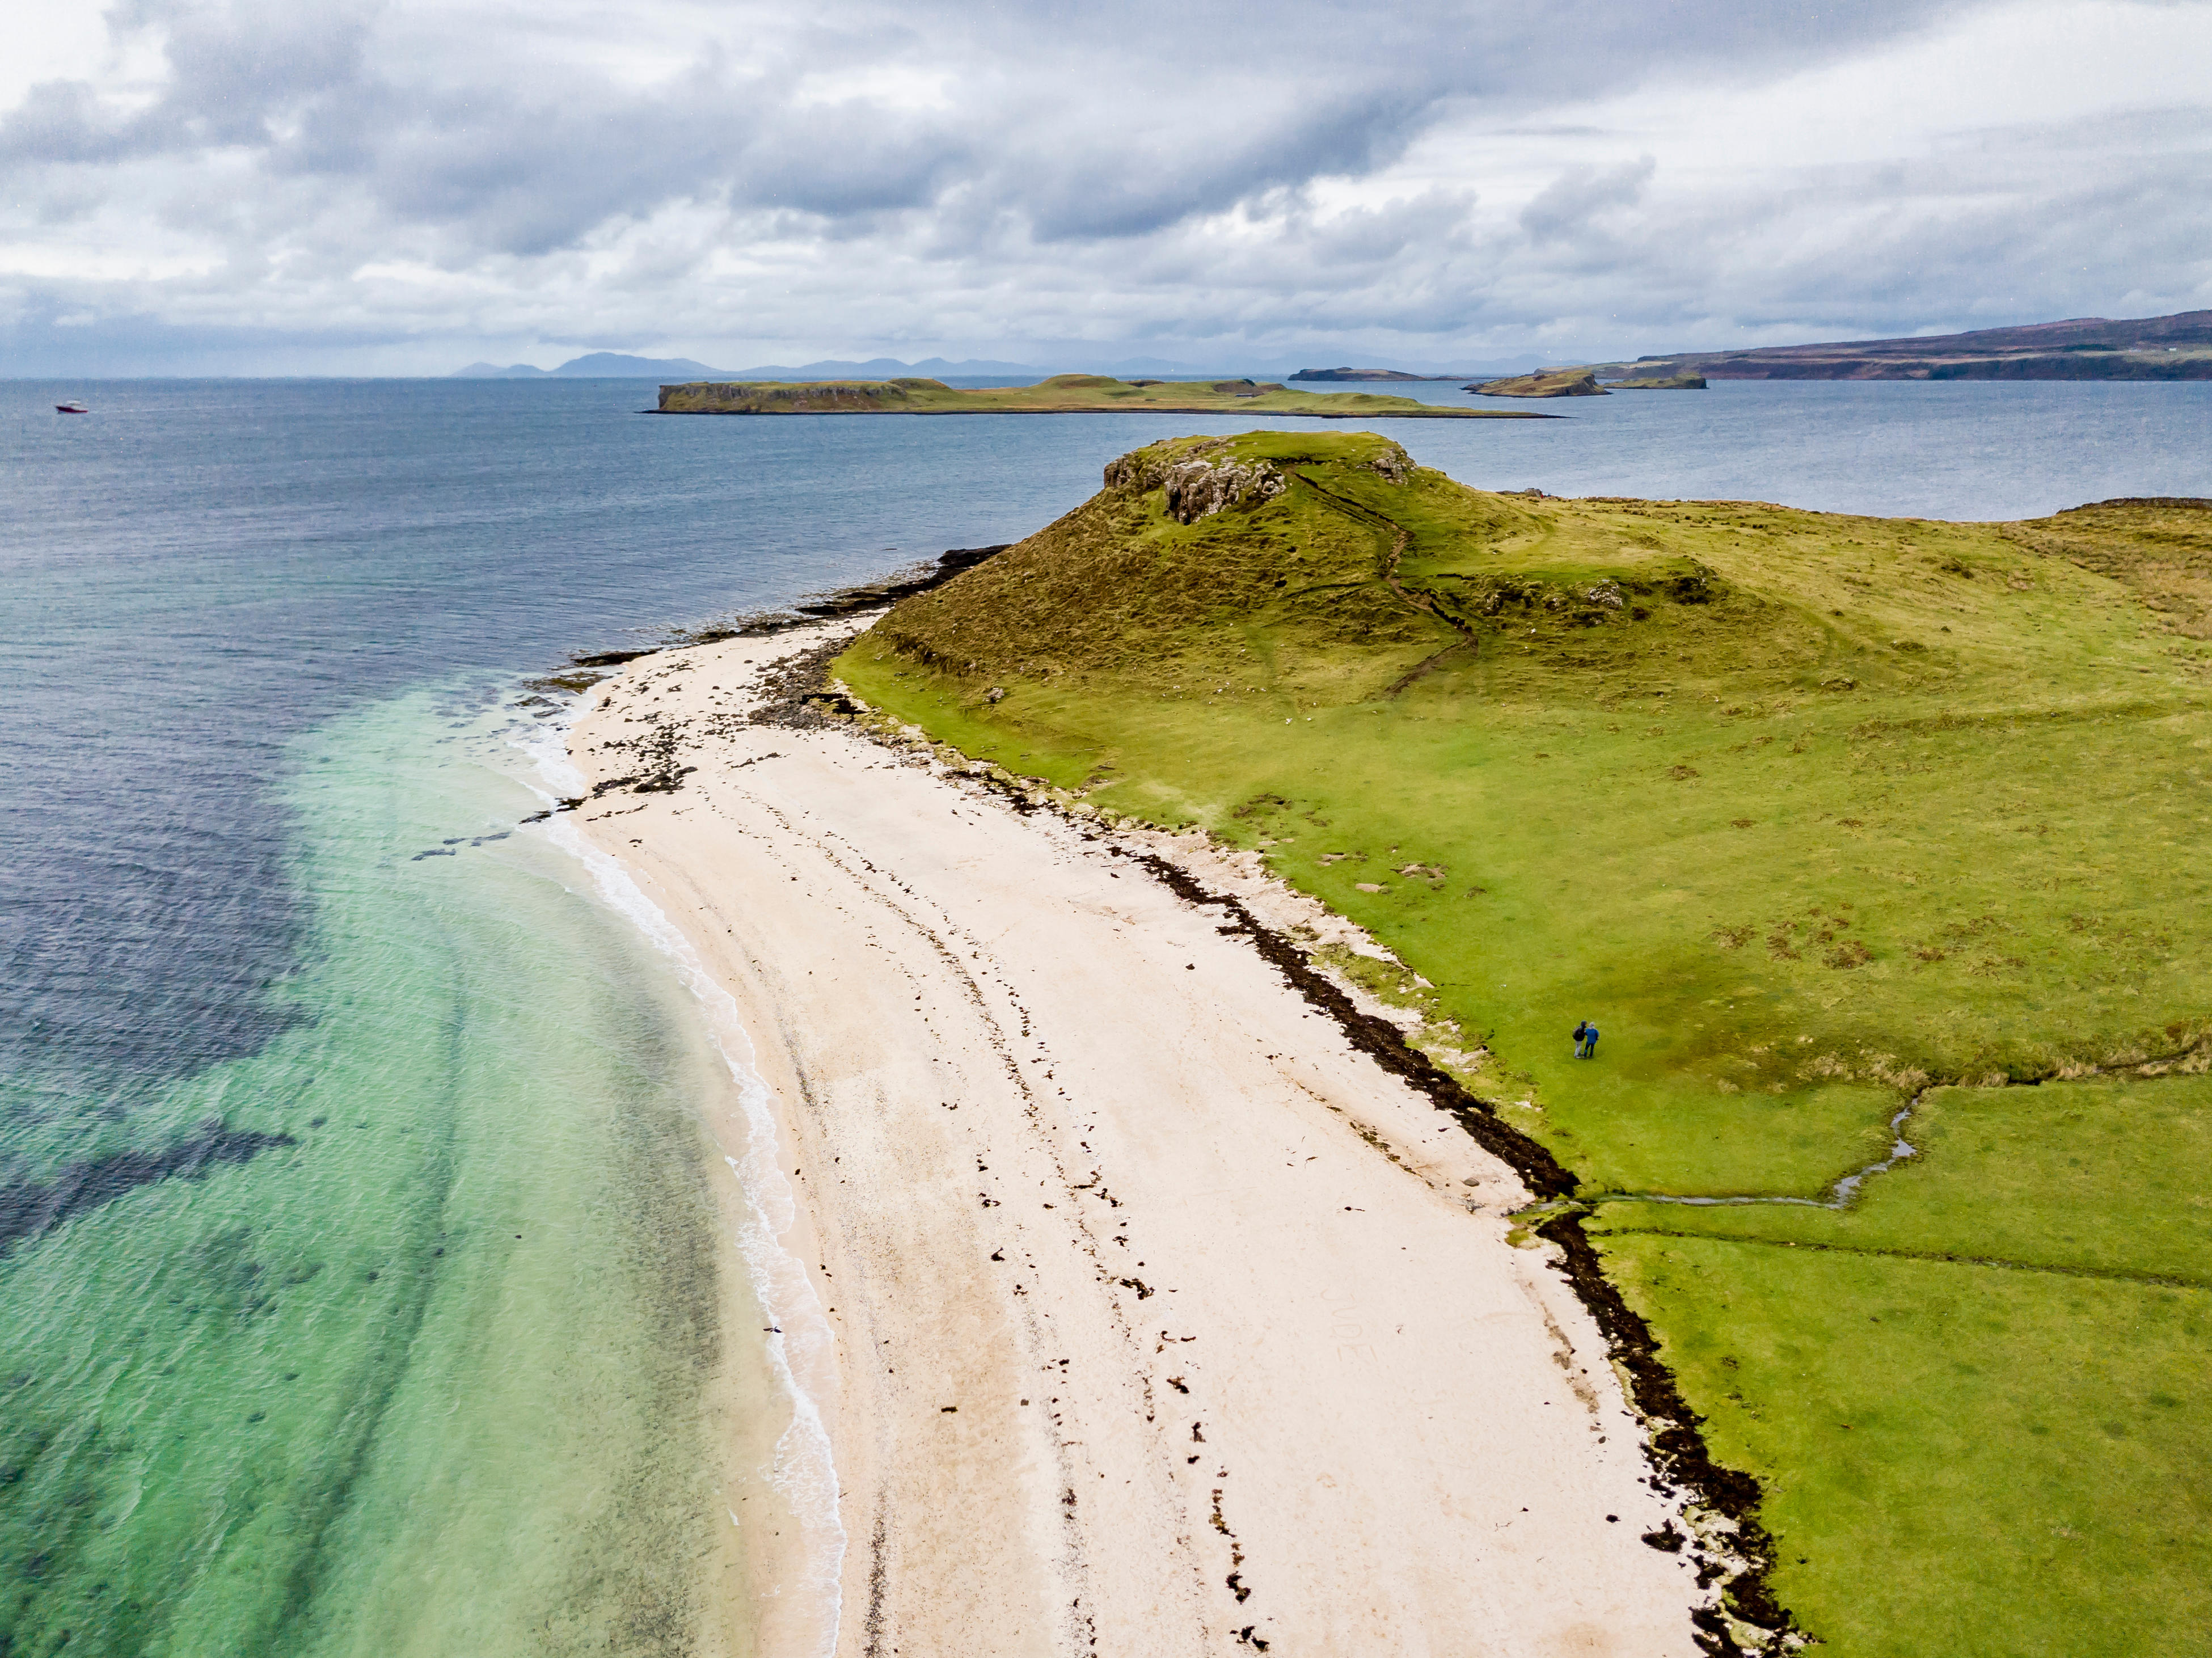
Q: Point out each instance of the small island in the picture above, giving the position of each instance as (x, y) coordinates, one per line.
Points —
(1063, 394)
(1365, 374)
(1544, 383)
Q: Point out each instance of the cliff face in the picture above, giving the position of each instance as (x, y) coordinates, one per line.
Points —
(817, 398)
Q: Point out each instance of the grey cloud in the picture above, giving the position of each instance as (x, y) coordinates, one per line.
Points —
(1072, 177)
(1125, 121)
(233, 74)
(1568, 203)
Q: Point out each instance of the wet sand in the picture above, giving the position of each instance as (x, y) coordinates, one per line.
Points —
(1159, 1318)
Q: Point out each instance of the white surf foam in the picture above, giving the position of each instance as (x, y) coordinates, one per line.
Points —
(800, 1345)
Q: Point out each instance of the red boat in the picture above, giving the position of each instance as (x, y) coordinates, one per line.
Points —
(70, 409)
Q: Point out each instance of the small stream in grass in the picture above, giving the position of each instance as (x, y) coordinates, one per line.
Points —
(1840, 1194)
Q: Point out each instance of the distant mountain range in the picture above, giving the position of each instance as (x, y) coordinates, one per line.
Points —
(612, 364)
(2175, 348)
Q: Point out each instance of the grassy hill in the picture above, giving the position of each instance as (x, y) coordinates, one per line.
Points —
(1063, 394)
(1822, 819)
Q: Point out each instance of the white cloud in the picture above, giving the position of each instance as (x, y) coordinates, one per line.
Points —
(244, 184)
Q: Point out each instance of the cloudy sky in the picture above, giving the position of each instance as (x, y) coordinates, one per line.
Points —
(404, 186)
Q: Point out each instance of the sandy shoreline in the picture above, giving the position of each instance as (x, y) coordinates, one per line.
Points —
(1159, 1318)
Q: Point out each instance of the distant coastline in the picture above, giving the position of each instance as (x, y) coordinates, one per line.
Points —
(1063, 394)
(2171, 348)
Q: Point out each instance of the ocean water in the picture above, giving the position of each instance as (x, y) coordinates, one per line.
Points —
(369, 1281)
(1948, 450)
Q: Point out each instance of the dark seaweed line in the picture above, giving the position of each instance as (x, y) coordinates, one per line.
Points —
(2109, 1275)
(1677, 1447)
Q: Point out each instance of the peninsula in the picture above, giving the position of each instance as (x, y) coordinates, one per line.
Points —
(1062, 394)
(1876, 847)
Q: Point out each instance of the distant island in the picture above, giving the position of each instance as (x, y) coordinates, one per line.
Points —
(1544, 383)
(1659, 383)
(2174, 348)
(1365, 374)
(1062, 394)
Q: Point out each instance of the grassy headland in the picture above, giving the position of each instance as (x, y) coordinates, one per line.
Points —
(1820, 818)
(1063, 394)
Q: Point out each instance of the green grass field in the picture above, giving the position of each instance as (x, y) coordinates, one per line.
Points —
(1816, 816)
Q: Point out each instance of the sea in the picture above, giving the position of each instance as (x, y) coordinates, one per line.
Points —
(369, 1283)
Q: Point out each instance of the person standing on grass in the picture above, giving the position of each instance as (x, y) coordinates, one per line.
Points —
(1590, 1040)
(1581, 1030)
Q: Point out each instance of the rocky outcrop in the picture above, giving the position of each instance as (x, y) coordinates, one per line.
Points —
(1200, 488)
(1196, 488)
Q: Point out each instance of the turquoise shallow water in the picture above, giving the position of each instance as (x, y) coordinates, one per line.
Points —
(328, 1400)
(370, 1279)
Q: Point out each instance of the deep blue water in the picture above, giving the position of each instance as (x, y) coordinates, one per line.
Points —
(214, 587)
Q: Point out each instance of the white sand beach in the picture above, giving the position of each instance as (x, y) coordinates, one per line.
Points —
(1165, 1321)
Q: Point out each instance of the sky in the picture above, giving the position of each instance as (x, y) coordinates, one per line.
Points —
(403, 186)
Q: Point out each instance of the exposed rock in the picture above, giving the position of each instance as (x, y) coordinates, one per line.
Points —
(1200, 488)
(1196, 488)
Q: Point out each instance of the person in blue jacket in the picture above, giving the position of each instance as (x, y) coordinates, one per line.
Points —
(1590, 1040)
